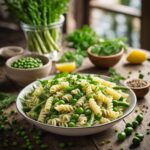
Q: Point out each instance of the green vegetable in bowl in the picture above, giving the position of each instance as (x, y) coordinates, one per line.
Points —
(109, 47)
(27, 63)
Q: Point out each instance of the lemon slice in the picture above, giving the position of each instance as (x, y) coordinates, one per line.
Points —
(66, 67)
(137, 56)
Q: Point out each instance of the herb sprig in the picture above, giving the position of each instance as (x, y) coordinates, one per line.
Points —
(83, 38)
(6, 99)
(115, 76)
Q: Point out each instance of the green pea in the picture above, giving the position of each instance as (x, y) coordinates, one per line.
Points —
(73, 101)
(136, 141)
(61, 102)
(139, 118)
(88, 112)
(129, 125)
(73, 120)
(128, 130)
(80, 110)
(121, 136)
(71, 124)
(140, 136)
(98, 117)
(75, 116)
(62, 145)
(135, 124)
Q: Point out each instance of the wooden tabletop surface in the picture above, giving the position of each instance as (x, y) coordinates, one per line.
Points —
(106, 140)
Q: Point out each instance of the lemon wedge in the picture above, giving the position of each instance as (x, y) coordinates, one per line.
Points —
(66, 67)
(137, 56)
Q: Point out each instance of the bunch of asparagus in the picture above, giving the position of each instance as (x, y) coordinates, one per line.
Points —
(37, 17)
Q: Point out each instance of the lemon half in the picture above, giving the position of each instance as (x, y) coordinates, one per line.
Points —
(66, 67)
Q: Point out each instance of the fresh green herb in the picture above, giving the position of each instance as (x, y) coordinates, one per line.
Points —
(40, 13)
(83, 38)
(73, 56)
(115, 76)
(109, 47)
(123, 88)
(6, 99)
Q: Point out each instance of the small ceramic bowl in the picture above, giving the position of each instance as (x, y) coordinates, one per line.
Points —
(104, 61)
(139, 91)
(26, 76)
(10, 51)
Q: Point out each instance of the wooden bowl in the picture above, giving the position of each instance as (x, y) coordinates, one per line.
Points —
(104, 61)
(140, 92)
(26, 76)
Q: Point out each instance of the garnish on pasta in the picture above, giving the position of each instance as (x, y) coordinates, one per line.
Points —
(76, 100)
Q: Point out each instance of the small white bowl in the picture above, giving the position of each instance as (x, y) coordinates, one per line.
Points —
(25, 76)
(10, 51)
(68, 131)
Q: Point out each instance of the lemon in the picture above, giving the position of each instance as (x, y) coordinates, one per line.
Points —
(137, 56)
(66, 67)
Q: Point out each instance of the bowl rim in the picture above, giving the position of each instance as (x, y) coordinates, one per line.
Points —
(19, 51)
(136, 88)
(110, 56)
(26, 55)
(18, 101)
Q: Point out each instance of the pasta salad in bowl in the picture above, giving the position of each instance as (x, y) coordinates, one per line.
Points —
(75, 104)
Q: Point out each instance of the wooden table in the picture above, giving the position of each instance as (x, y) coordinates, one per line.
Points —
(100, 141)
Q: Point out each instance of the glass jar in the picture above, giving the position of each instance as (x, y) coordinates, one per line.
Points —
(45, 40)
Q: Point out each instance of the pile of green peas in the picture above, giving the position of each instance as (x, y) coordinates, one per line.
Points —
(129, 129)
(27, 63)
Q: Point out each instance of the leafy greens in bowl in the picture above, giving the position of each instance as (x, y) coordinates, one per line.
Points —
(109, 47)
(75, 104)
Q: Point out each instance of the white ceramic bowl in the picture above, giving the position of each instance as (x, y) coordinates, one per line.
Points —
(77, 131)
